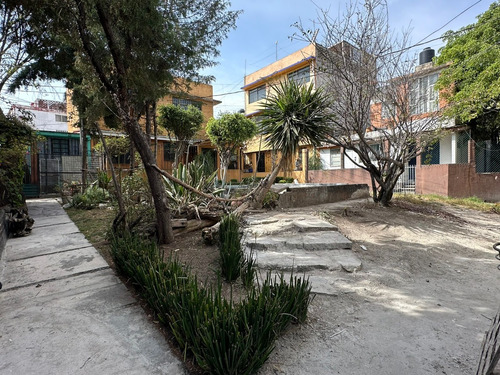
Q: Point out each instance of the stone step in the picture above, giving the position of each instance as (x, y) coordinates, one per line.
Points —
(269, 227)
(306, 261)
(311, 241)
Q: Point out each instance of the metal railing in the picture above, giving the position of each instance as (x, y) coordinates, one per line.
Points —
(406, 182)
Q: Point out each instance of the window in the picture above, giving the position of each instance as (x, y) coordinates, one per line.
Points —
(300, 76)
(169, 151)
(331, 158)
(233, 161)
(423, 96)
(61, 118)
(257, 94)
(60, 146)
(261, 162)
(335, 158)
(121, 159)
(184, 103)
(431, 154)
(376, 149)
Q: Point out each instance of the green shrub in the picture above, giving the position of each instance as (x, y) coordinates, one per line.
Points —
(248, 272)
(90, 198)
(250, 180)
(223, 337)
(270, 200)
(231, 254)
(315, 163)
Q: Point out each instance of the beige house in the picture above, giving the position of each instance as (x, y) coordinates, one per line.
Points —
(199, 95)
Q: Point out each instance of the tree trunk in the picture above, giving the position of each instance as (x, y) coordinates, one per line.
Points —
(83, 135)
(132, 158)
(209, 234)
(121, 205)
(142, 144)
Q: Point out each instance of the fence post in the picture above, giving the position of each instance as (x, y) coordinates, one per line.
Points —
(471, 147)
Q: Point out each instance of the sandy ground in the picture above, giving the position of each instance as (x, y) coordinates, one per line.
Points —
(421, 304)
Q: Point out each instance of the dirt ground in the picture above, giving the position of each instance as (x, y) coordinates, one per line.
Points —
(421, 304)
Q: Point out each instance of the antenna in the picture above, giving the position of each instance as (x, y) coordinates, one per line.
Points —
(276, 50)
(313, 40)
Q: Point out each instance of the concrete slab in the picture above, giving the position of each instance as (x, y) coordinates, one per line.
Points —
(53, 266)
(309, 241)
(305, 261)
(63, 311)
(36, 245)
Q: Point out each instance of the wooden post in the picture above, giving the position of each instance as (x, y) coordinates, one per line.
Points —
(305, 164)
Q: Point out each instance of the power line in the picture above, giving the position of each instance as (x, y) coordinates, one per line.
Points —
(447, 23)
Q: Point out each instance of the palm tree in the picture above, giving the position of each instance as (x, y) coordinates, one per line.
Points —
(293, 114)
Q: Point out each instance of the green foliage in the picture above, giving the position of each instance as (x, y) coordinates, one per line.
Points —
(283, 180)
(250, 180)
(231, 255)
(103, 180)
(224, 337)
(315, 163)
(471, 84)
(116, 146)
(248, 270)
(293, 114)
(15, 138)
(181, 123)
(270, 200)
(138, 201)
(90, 198)
(195, 175)
(229, 131)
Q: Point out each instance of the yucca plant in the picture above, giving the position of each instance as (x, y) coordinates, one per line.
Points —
(231, 255)
(195, 175)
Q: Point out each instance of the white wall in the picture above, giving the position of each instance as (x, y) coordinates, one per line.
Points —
(445, 150)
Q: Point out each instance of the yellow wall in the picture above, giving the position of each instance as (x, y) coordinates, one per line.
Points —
(273, 73)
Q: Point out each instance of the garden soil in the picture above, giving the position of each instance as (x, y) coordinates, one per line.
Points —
(427, 291)
(421, 304)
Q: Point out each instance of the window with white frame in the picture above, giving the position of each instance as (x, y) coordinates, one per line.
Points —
(300, 76)
(61, 118)
(257, 94)
(331, 158)
(424, 98)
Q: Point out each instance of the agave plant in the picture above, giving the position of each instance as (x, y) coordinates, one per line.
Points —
(195, 175)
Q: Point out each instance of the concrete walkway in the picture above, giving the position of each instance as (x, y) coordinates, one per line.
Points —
(63, 311)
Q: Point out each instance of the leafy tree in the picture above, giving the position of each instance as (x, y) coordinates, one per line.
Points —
(181, 124)
(13, 34)
(471, 83)
(134, 49)
(365, 65)
(228, 133)
(15, 138)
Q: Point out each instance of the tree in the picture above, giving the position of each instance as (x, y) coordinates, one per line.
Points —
(134, 50)
(228, 133)
(181, 124)
(362, 62)
(291, 115)
(13, 34)
(471, 82)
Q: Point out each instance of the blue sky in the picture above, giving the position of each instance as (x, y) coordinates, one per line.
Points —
(267, 24)
(263, 23)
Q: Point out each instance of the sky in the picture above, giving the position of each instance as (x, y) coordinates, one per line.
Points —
(264, 31)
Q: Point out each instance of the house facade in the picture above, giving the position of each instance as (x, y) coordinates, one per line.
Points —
(199, 95)
(56, 157)
(455, 165)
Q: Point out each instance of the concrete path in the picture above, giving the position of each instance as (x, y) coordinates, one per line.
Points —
(63, 311)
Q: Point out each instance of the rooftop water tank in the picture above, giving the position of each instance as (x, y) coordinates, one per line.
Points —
(426, 56)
